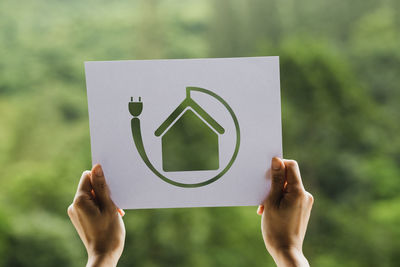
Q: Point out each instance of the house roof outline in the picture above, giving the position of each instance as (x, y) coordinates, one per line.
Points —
(183, 107)
(188, 109)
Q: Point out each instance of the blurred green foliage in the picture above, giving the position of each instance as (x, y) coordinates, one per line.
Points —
(340, 63)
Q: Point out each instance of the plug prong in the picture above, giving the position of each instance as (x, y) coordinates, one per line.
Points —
(140, 98)
(131, 98)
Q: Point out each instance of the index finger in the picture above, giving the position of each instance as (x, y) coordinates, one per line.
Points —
(293, 177)
(84, 186)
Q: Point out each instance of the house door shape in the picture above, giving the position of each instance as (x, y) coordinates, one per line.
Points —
(189, 139)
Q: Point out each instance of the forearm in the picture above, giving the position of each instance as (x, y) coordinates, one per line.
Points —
(289, 257)
(101, 261)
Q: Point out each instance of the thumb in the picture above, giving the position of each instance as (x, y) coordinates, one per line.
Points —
(100, 188)
(277, 180)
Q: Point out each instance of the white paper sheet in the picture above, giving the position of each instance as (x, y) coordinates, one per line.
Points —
(250, 87)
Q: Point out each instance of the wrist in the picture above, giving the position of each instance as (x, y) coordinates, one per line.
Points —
(101, 260)
(289, 257)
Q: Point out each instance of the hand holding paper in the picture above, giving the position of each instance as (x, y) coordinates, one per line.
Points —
(285, 214)
(97, 220)
(284, 222)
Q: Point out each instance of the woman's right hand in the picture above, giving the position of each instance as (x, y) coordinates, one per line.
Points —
(285, 214)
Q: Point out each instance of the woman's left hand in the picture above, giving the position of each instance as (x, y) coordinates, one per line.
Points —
(97, 219)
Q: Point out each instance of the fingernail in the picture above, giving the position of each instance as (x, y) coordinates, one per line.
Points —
(276, 165)
(260, 210)
(92, 192)
(121, 212)
(98, 171)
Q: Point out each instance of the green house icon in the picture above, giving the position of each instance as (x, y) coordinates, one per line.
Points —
(189, 139)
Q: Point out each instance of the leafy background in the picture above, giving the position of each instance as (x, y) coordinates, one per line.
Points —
(340, 63)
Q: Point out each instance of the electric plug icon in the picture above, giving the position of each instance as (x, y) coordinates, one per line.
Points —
(135, 108)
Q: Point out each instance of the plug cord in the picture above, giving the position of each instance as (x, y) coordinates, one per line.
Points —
(135, 108)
